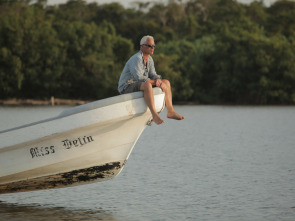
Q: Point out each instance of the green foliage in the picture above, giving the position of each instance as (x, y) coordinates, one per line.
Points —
(212, 51)
(10, 73)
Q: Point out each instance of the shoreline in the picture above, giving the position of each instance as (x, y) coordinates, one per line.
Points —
(51, 102)
(74, 102)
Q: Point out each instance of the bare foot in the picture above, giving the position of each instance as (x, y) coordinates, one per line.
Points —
(157, 119)
(174, 115)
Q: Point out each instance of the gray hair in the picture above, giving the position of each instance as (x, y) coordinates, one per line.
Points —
(145, 38)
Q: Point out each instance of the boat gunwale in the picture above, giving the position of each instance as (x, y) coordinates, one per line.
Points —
(87, 107)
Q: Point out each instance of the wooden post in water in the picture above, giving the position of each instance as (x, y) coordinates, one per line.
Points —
(52, 100)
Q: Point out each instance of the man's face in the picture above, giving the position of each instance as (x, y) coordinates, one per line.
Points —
(148, 47)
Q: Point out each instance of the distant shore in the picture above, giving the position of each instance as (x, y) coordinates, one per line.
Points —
(50, 102)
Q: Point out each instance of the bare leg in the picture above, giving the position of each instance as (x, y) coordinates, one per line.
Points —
(147, 89)
(171, 113)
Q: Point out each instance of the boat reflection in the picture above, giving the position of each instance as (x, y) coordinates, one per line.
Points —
(15, 212)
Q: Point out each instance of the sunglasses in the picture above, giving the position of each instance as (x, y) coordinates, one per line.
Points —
(150, 46)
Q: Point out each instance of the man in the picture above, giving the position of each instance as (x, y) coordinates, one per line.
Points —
(139, 74)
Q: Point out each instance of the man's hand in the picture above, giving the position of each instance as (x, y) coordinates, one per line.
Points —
(158, 82)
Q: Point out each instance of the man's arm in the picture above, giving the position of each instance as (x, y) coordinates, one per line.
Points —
(152, 71)
(137, 70)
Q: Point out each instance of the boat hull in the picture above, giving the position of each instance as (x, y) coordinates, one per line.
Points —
(65, 179)
(82, 145)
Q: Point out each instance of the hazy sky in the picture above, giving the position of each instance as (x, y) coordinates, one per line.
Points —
(127, 3)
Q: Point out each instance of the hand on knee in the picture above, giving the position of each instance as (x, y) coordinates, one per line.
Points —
(165, 85)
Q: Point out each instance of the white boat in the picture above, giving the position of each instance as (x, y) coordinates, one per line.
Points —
(83, 144)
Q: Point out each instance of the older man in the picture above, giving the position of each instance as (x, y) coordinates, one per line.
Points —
(139, 74)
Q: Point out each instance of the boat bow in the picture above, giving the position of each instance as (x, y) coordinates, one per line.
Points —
(83, 144)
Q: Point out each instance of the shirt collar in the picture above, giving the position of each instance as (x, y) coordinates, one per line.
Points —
(142, 56)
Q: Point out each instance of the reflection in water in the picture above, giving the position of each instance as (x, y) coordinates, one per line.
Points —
(36, 212)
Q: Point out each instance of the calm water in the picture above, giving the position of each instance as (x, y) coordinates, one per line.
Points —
(220, 163)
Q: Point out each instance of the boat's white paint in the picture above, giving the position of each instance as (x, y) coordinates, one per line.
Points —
(102, 135)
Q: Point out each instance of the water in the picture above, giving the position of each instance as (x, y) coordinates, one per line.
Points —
(220, 163)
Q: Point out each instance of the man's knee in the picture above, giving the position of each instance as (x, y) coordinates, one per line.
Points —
(146, 86)
(166, 82)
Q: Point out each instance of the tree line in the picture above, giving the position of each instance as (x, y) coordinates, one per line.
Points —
(212, 51)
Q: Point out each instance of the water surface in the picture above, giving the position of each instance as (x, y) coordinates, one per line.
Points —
(220, 163)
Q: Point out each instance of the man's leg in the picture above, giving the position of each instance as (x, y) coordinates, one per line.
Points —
(147, 89)
(171, 113)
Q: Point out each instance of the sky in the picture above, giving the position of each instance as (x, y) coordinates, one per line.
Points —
(128, 3)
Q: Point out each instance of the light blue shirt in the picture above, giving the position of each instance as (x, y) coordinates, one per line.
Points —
(136, 71)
